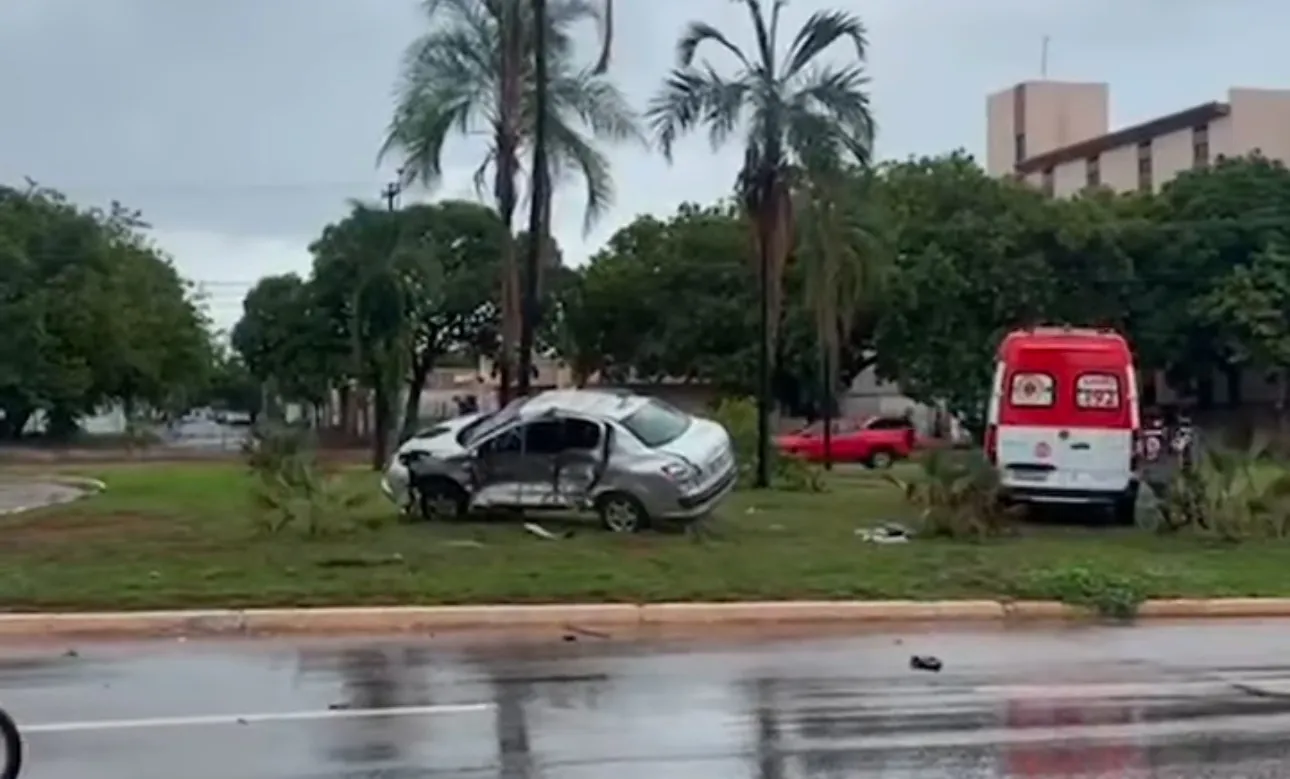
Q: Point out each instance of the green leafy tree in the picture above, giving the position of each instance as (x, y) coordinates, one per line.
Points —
(968, 266)
(473, 72)
(1207, 223)
(284, 340)
(675, 298)
(1251, 308)
(93, 314)
(793, 106)
(369, 278)
(452, 251)
(842, 258)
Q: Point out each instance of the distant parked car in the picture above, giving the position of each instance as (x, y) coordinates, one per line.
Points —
(876, 442)
(630, 458)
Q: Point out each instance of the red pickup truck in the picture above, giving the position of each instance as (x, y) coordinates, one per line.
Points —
(876, 441)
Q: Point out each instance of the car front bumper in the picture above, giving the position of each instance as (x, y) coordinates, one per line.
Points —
(697, 504)
(394, 485)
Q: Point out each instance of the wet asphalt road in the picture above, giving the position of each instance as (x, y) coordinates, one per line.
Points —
(1168, 701)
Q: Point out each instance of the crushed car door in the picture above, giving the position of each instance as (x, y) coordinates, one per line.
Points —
(575, 464)
(496, 469)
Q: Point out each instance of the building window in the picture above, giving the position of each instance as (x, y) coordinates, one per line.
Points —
(1019, 150)
(1093, 172)
(1200, 146)
(1047, 185)
(1145, 182)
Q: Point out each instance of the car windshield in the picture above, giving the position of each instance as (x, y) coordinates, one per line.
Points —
(485, 426)
(656, 423)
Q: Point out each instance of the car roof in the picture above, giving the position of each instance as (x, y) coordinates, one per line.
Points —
(605, 404)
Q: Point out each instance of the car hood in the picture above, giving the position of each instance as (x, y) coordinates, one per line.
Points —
(443, 442)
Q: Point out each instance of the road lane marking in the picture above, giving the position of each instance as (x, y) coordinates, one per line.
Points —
(253, 719)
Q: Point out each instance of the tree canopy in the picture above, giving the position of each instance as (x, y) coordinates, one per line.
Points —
(93, 314)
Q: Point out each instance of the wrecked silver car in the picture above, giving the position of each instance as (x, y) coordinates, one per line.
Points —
(629, 458)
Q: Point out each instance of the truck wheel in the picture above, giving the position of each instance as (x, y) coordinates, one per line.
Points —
(880, 460)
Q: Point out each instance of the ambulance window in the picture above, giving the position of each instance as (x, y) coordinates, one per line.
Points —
(1097, 391)
(1034, 390)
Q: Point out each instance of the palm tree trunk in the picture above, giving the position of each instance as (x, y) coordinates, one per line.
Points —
(763, 362)
(827, 410)
(537, 231)
(510, 98)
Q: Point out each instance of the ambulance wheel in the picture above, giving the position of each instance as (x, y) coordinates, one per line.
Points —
(1125, 510)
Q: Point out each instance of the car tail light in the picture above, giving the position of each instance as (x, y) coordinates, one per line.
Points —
(992, 444)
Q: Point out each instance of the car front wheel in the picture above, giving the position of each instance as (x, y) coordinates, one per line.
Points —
(622, 513)
(441, 498)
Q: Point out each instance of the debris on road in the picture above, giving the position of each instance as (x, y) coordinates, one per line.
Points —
(534, 528)
(886, 533)
(573, 631)
(925, 663)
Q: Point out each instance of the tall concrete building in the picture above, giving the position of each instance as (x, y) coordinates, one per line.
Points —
(1056, 135)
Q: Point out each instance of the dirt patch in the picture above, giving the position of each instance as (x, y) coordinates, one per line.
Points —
(46, 531)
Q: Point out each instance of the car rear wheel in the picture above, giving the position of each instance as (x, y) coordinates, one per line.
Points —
(440, 498)
(880, 460)
(622, 513)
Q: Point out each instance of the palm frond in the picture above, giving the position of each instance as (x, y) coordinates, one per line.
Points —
(690, 97)
(763, 31)
(696, 33)
(597, 102)
(569, 149)
(821, 31)
(831, 109)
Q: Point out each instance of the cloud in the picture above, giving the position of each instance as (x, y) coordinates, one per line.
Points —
(242, 127)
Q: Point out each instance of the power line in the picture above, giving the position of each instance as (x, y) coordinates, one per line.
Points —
(231, 189)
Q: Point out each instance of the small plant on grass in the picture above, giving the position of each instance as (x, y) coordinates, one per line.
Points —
(1231, 494)
(957, 494)
(1109, 595)
(793, 474)
(291, 489)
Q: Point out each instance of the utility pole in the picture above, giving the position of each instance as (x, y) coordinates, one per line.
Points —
(391, 193)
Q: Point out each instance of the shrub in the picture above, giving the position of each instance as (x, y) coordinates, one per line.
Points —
(1231, 494)
(291, 489)
(1111, 595)
(957, 494)
(739, 417)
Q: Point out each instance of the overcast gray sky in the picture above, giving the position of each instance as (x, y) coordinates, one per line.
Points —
(240, 127)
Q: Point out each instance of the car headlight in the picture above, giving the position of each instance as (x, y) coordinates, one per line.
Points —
(680, 473)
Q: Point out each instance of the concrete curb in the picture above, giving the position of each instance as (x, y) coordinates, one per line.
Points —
(324, 621)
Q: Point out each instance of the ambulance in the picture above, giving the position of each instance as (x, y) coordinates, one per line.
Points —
(1063, 423)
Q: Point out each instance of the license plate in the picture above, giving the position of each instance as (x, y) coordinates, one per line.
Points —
(1029, 475)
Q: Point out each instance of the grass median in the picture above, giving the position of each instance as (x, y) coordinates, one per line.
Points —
(180, 535)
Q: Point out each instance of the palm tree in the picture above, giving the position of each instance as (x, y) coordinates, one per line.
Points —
(540, 207)
(843, 259)
(791, 105)
(473, 74)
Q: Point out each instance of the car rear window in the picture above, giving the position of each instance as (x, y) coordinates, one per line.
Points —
(656, 423)
(1032, 390)
(1099, 391)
